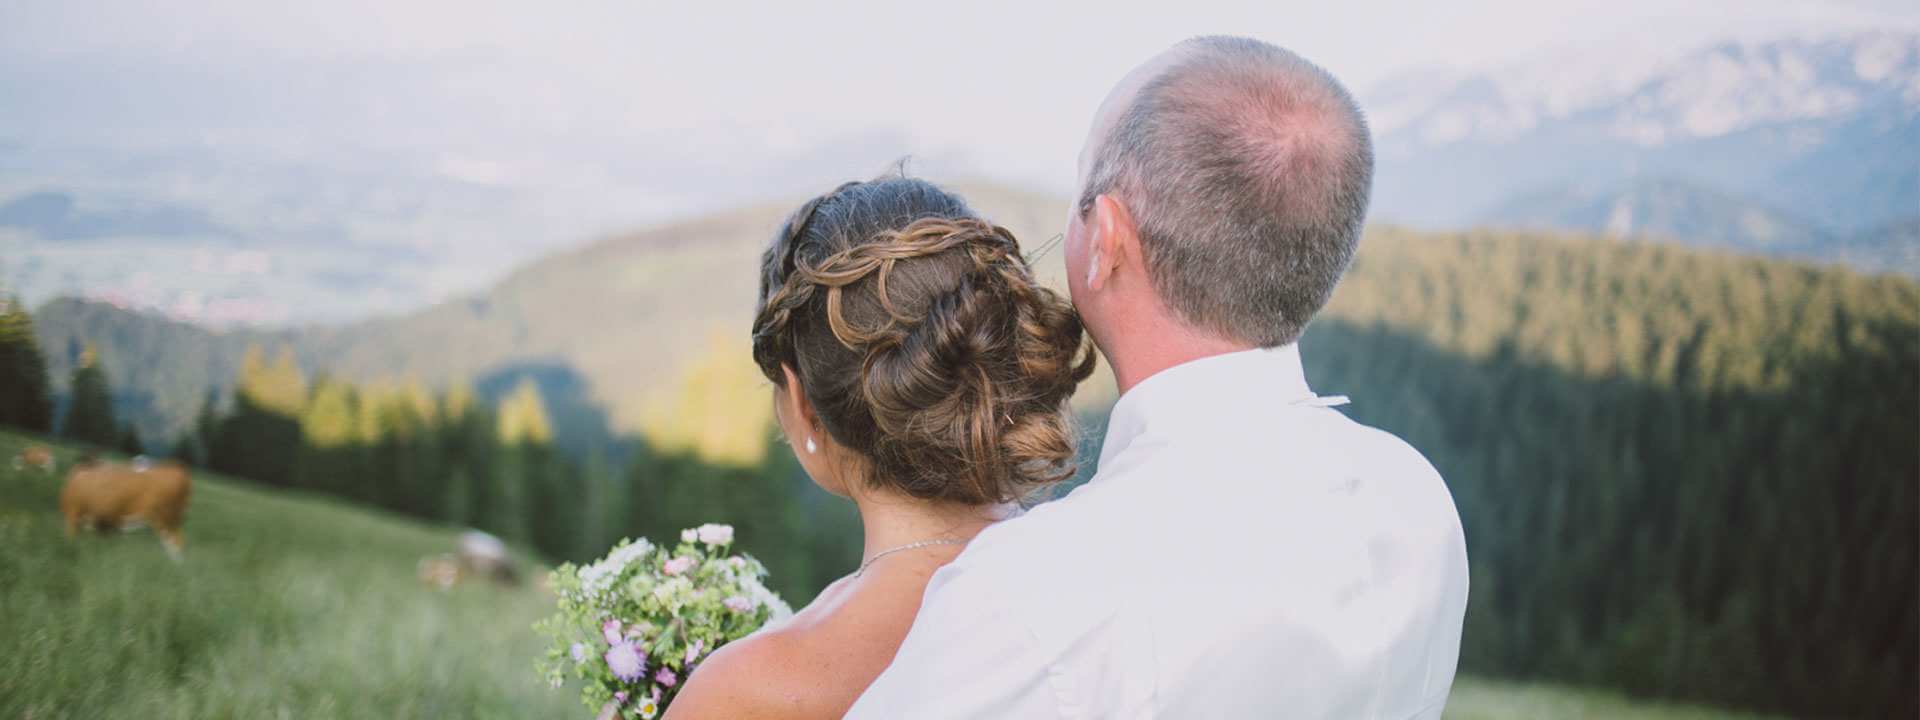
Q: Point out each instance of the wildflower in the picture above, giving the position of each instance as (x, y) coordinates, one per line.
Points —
(678, 565)
(649, 707)
(620, 698)
(666, 677)
(737, 603)
(689, 535)
(611, 631)
(716, 534)
(694, 650)
(626, 661)
(579, 653)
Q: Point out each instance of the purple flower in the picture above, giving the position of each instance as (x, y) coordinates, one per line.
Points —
(620, 698)
(666, 677)
(737, 604)
(693, 651)
(611, 631)
(626, 661)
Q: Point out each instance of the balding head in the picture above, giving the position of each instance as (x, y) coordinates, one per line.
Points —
(1246, 170)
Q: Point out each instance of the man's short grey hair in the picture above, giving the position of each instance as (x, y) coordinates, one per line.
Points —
(1247, 170)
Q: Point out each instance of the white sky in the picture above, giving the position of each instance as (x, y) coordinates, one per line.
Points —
(1008, 86)
(480, 134)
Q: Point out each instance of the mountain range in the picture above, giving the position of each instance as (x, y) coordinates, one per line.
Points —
(1802, 147)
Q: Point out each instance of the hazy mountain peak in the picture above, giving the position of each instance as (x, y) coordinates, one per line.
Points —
(1653, 95)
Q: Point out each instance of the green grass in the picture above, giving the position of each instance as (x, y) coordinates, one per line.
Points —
(295, 606)
(286, 606)
(1480, 699)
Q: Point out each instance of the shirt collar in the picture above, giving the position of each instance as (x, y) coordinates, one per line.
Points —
(1193, 394)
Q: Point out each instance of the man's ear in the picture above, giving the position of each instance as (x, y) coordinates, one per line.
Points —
(1114, 242)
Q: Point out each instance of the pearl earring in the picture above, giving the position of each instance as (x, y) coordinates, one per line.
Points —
(811, 448)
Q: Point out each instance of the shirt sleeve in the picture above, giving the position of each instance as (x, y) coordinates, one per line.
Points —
(967, 656)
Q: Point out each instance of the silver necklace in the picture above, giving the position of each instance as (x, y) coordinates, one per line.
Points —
(908, 546)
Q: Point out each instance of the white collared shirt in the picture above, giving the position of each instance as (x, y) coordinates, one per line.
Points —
(1243, 551)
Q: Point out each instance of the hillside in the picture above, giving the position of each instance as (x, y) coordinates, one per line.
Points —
(609, 331)
(286, 606)
(1681, 473)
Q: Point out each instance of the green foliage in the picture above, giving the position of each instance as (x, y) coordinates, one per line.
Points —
(25, 397)
(1681, 474)
(90, 413)
(523, 416)
(285, 606)
(260, 439)
(1482, 699)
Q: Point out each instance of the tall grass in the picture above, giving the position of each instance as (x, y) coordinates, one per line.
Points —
(285, 606)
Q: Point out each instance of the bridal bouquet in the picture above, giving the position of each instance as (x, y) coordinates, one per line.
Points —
(631, 626)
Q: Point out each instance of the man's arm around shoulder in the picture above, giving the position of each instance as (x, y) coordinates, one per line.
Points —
(969, 655)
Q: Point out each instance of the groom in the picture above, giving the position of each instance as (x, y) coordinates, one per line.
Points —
(1243, 551)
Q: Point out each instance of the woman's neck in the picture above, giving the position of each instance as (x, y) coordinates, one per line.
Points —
(890, 521)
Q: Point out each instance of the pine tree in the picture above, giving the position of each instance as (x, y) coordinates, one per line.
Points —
(25, 400)
(129, 443)
(90, 412)
(261, 439)
(524, 433)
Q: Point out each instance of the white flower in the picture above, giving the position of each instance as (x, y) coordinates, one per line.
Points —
(624, 555)
(737, 604)
(689, 535)
(593, 579)
(762, 596)
(579, 653)
(714, 534)
(648, 708)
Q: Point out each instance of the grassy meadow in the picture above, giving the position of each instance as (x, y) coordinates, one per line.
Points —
(296, 606)
(286, 606)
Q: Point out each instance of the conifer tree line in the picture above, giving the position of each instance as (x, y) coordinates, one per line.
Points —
(447, 456)
(1680, 473)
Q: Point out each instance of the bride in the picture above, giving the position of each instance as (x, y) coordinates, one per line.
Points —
(919, 371)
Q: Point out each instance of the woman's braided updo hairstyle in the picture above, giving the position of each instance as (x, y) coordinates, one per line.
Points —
(923, 342)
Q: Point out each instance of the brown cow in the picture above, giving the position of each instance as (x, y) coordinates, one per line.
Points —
(34, 455)
(107, 495)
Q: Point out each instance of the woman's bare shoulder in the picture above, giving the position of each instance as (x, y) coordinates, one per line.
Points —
(815, 665)
(749, 678)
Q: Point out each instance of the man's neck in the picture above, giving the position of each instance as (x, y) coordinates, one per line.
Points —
(1146, 349)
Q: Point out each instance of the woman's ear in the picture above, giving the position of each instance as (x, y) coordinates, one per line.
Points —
(794, 398)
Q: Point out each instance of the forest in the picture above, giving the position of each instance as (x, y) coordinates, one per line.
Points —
(1683, 474)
